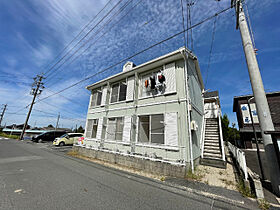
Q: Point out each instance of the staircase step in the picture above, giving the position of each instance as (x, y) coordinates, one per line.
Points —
(213, 144)
(211, 125)
(211, 134)
(212, 128)
(217, 141)
(211, 119)
(213, 138)
(212, 151)
(212, 155)
(219, 163)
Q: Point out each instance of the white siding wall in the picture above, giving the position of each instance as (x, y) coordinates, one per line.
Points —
(171, 130)
(104, 95)
(89, 128)
(99, 129)
(127, 129)
(130, 89)
(169, 72)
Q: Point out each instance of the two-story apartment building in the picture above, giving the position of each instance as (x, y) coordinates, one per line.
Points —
(152, 112)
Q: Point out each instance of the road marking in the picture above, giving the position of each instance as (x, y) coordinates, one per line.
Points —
(18, 159)
(18, 191)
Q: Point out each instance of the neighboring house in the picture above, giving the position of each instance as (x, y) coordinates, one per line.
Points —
(15, 126)
(153, 111)
(240, 106)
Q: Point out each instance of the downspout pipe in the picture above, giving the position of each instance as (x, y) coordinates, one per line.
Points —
(185, 56)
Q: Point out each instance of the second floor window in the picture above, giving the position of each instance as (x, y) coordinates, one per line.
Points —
(118, 92)
(96, 97)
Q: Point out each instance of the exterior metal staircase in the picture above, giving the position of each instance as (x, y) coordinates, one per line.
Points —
(213, 148)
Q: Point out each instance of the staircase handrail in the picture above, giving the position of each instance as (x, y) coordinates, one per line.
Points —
(203, 135)
(221, 134)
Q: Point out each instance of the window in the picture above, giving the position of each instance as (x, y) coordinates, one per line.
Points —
(115, 128)
(92, 128)
(151, 129)
(96, 97)
(118, 92)
(152, 84)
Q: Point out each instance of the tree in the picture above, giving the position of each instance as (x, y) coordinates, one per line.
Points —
(80, 130)
(225, 127)
(50, 126)
(230, 134)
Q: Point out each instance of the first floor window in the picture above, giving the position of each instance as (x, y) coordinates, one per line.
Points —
(151, 129)
(115, 128)
(92, 128)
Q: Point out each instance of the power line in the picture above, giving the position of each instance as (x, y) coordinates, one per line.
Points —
(118, 12)
(83, 29)
(105, 31)
(71, 100)
(183, 22)
(189, 23)
(65, 110)
(82, 38)
(250, 26)
(140, 52)
(211, 50)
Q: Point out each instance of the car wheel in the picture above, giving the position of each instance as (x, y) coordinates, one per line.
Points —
(61, 144)
(40, 141)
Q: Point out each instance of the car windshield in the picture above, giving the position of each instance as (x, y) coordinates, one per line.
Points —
(41, 134)
(64, 135)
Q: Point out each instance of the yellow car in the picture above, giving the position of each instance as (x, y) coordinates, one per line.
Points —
(67, 139)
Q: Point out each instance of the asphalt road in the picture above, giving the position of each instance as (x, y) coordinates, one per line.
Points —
(36, 176)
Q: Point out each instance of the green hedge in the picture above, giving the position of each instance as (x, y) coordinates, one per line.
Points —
(8, 136)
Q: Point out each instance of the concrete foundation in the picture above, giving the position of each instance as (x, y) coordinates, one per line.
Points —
(158, 167)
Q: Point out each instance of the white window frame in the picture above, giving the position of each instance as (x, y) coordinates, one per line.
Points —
(93, 102)
(94, 124)
(151, 73)
(119, 85)
(150, 130)
(90, 129)
(115, 124)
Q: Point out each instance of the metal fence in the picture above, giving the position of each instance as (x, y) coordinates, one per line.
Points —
(239, 156)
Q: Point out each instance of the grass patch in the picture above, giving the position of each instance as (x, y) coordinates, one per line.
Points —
(9, 136)
(227, 182)
(197, 175)
(162, 178)
(73, 153)
(263, 204)
(244, 190)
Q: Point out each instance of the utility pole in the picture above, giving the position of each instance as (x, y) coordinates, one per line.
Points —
(36, 90)
(256, 137)
(57, 121)
(263, 111)
(3, 112)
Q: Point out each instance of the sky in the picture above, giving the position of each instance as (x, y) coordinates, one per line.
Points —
(35, 37)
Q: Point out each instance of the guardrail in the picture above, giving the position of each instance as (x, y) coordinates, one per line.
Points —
(203, 135)
(221, 134)
(239, 156)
